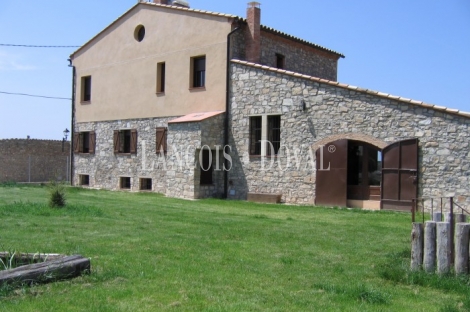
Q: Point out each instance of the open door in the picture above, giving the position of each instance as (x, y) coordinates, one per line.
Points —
(399, 175)
(332, 174)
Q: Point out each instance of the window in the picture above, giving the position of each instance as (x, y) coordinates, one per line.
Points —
(84, 142)
(84, 179)
(125, 183)
(125, 141)
(161, 137)
(206, 167)
(139, 33)
(255, 135)
(198, 72)
(265, 129)
(161, 77)
(280, 61)
(86, 89)
(145, 184)
(274, 134)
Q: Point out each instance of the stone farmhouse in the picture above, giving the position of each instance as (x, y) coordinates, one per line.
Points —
(196, 104)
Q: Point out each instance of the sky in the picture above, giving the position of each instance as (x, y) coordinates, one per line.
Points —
(415, 49)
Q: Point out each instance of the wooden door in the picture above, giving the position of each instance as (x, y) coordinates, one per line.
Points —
(399, 175)
(331, 175)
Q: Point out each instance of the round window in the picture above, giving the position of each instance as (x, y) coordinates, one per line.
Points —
(139, 33)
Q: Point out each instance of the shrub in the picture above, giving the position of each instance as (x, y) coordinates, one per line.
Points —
(57, 196)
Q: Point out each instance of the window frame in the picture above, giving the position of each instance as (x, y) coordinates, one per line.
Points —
(274, 134)
(85, 96)
(161, 72)
(82, 177)
(82, 137)
(280, 61)
(256, 124)
(198, 75)
(125, 185)
(144, 184)
(125, 141)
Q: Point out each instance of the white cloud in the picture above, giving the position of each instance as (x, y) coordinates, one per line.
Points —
(9, 61)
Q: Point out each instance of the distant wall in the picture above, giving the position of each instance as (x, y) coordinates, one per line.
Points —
(23, 160)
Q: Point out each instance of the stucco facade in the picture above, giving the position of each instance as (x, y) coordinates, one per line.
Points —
(288, 90)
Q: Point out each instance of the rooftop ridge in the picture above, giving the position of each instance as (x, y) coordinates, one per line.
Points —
(362, 90)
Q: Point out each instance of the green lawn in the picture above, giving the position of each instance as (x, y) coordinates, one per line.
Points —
(151, 253)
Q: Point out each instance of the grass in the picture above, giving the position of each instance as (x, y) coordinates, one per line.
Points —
(151, 253)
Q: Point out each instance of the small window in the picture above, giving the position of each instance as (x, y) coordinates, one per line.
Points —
(206, 167)
(280, 61)
(274, 134)
(125, 141)
(139, 33)
(145, 184)
(86, 89)
(161, 138)
(125, 183)
(84, 142)
(198, 72)
(255, 135)
(161, 77)
(84, 179)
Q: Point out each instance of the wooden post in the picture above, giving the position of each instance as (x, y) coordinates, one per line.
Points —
(462, 232)
(437, 217)
(443, 247)
(460, 218)
(429, 257)
(417, 242)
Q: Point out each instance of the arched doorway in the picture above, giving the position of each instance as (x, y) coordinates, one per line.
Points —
(353, 173)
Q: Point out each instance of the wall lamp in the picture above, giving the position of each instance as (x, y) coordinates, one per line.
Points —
(304, 105)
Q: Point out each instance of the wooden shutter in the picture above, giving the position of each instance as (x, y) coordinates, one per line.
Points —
(76, 142)
(161, 138)
(116, 141)
(92, 142)
(133, 141)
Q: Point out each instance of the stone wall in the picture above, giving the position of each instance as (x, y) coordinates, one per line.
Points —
(175, 174)
(334, 112)
(105, 168)
(299, 57)
(27, 160)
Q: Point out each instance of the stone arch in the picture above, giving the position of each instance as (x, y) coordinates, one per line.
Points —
(350, 136)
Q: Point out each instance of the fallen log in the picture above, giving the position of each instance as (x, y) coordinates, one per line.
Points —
(44, 272)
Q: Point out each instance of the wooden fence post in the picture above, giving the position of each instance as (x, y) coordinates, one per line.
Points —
(417, 242)
(462, 232)
(444, 246)
(437, 217)
(429, 257)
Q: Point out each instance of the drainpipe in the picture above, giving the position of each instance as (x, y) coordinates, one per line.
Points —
(72, 129)
(227, 108)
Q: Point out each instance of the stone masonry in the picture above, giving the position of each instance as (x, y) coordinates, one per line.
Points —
(334, 112)
(30, 160)
(175, 174)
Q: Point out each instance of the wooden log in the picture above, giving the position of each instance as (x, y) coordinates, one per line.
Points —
(429, 257)
(460, 218)
(443, 248)
(417, 242)
(437, 217)
(462, 232)
(62, 268)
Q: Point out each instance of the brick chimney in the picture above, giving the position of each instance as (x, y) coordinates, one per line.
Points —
(253, 35)
(160, 1)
